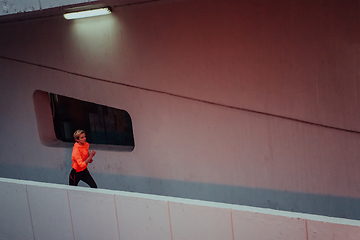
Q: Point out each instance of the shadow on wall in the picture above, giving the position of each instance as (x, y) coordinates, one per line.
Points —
(325, 205)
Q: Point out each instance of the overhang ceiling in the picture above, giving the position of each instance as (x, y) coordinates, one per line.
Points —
(13, 10)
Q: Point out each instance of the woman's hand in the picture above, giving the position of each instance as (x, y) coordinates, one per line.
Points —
(92, 153)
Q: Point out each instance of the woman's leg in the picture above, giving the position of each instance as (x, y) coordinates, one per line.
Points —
(73, 178)
(86, 177)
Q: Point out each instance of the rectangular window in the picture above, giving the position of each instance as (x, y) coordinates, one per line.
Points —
(105, 126)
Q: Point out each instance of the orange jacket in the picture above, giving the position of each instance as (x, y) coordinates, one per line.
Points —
(79, 155)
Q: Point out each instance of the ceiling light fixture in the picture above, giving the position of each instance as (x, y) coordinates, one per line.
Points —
(89, 13)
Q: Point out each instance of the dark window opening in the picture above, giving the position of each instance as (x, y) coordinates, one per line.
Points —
(102, 124)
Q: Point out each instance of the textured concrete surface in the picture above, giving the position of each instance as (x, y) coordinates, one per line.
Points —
(8, 7)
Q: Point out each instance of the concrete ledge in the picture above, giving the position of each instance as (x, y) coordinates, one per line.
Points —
(21, 6)
(34, 210)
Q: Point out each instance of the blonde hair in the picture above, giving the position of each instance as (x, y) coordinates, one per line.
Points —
(77, 134)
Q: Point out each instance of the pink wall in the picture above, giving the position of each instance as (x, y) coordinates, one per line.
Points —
(281, 77)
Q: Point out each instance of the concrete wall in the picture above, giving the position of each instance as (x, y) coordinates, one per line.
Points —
(244, 102)
(31, 210)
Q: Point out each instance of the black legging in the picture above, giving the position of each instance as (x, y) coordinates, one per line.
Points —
(75, 177)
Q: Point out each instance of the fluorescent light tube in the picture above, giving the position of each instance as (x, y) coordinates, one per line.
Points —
(89, 13)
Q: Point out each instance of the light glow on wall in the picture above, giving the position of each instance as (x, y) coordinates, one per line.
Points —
(89, 13)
